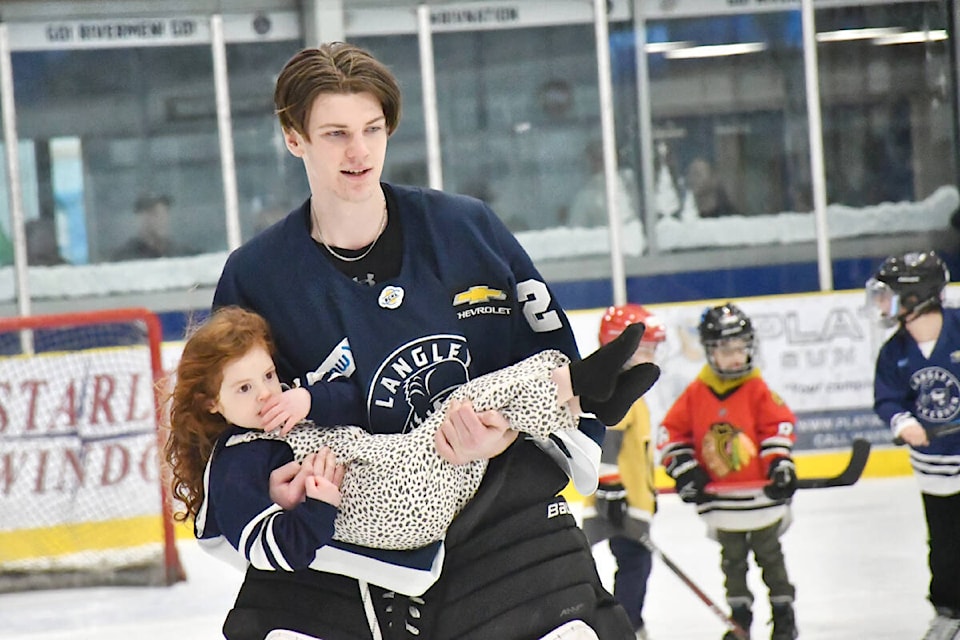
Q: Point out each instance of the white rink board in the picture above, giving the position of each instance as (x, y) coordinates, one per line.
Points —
(79, 438)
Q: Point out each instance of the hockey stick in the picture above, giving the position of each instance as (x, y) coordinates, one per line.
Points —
(727, 620)
(936, 432)
(858, 460)
(859, 455)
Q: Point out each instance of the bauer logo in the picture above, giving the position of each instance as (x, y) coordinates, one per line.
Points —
(559, 508)
(416, 378)
(938, 394)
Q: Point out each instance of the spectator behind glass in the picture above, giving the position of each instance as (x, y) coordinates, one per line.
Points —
(42, 249)
(709, 196)
(589, 206)
(153, 238)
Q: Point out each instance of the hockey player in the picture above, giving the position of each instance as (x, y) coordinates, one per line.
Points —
(624, 504)
(375, 284)
(917, 392)
(728, 426)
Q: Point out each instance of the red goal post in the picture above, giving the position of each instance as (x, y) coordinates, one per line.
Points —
(83, 492)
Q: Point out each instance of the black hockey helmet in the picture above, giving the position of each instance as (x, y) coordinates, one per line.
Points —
(726, 322)
(907, 284)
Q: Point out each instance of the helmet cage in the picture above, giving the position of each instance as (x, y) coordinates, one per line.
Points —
(720, 325)
(907, 285)
(884, 302)
(750, 344)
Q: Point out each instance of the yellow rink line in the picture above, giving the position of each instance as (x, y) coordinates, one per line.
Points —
(47, 542)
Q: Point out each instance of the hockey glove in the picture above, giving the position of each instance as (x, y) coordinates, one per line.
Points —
(611, 503)
(783, 479)
(692, 484)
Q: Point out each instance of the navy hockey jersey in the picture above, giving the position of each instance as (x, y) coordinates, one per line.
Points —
(908, 383)
(467, 301)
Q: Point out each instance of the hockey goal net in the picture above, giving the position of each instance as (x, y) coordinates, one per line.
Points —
(83, 497)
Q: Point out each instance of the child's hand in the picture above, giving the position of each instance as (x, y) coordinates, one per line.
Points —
(326, 478)
(286, 410)
(914, 434)
(288, 483)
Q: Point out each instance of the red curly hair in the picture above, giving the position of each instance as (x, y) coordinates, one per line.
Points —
(228, 334)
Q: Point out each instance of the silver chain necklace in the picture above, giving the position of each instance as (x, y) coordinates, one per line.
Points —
(316, 220)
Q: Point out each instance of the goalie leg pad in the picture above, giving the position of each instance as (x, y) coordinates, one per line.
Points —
(523, 577)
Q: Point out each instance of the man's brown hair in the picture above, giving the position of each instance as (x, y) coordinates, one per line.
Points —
(333, 67)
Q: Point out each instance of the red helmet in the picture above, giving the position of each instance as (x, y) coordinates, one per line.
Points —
(616, 319)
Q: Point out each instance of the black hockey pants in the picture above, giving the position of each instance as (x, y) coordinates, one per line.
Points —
(943, 529)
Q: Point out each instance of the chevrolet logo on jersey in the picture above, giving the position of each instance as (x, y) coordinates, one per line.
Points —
(477, 294)
(475, 297)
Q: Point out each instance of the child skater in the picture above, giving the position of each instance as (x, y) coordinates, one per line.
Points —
(385, 491)
(728, 426)
(916, 392)
(623, 506)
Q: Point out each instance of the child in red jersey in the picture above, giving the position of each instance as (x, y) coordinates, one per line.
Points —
(728, 427)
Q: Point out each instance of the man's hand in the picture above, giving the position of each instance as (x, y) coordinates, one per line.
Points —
(465, 435)
(319, 476)
(286, 410)
(287, 483)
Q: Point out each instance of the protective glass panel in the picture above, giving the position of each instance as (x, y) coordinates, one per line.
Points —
(270, 181)
(128, 161)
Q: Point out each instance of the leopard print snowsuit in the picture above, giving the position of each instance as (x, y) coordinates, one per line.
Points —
(398, 493)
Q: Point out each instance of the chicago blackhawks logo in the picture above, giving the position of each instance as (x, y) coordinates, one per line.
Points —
(726, 449)
(417, 378)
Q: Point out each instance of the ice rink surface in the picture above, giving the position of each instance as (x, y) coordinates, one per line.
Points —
(857, 556)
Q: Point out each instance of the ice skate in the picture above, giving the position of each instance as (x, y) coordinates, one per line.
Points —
(946, 626)
(743, 616)
(784, 622)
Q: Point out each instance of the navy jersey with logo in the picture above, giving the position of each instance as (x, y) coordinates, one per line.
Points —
(907, 382)
(467, 301)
